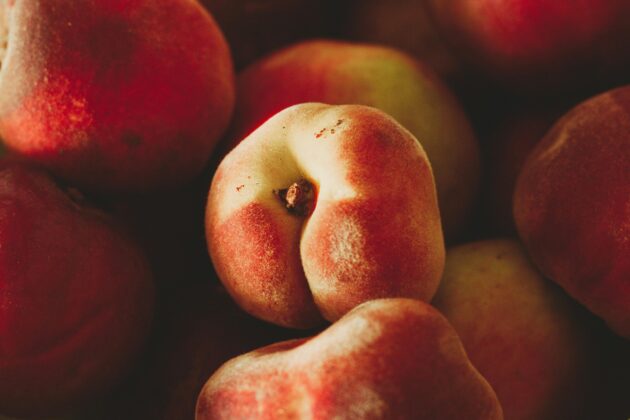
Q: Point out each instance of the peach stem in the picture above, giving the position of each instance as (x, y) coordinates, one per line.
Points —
(298, 198)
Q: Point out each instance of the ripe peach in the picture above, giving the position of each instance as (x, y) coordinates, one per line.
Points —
(347, 73)
(522, 333)
(572, 205)
(76, 297)
(539, 44)
(114, 94)
(386, 359)
(320, 209)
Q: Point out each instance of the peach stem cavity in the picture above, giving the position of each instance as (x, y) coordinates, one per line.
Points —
(298, 198)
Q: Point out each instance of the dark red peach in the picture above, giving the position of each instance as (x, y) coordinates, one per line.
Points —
(116, 95)
(76, 297)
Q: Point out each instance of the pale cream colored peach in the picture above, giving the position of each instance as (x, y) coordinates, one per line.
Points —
(374, 231)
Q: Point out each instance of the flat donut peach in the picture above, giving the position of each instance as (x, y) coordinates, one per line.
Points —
(320, 209)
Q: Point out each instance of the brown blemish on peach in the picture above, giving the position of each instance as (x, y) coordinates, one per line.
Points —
(298, 198)
(240, 187)
(332, 130)
(4, 32)
(320, 133)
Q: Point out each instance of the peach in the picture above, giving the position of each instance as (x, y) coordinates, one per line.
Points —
(114, 95)
(522, 333)
(572, 205)
(76, 297)
(320, 209)
(348, 73)
(386, 359)
(539, 44)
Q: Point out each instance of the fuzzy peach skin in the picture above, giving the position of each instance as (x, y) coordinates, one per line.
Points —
(386, 359)
(521, 331)
(348, 73)
(76, 297)
(120, 95)
(539, 43)
(373, 229)
(572, 205)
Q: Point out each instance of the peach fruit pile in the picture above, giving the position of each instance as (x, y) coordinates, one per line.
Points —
(339, 209)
